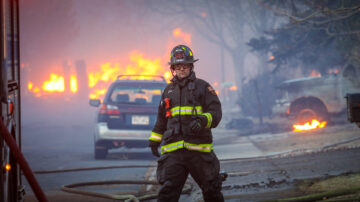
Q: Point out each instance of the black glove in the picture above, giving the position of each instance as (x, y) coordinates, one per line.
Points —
(154, 148)
(155, 151)
(196, 126)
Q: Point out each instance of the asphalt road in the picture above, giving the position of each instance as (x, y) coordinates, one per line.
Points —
(277, 176)
(256, 171)
(58, 148)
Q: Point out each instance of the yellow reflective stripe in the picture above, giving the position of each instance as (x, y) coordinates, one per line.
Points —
(209, 119)
(181, 144)
(185, 110)
(199, 147)
(155, 137)
(175, 111)
(172, 147)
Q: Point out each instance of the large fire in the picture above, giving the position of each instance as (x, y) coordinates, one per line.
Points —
(109, 72)
(98, 80)
(309, 126)
(55, 83)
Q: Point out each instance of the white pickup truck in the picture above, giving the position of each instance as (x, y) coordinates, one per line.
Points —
(317, 97)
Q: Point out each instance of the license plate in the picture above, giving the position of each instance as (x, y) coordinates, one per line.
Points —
(140, 120)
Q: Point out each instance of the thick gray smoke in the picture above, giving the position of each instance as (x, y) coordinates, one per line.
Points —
(56, 35)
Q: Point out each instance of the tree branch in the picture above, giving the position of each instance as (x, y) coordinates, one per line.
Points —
(341, 33)
(326, 11)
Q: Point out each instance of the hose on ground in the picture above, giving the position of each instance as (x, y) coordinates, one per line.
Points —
(124, 196)
(91, 168)
(187, 188)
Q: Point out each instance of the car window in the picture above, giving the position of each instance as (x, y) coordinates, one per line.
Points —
(136, 95)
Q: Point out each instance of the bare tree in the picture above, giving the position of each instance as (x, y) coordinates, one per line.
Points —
(220, 22)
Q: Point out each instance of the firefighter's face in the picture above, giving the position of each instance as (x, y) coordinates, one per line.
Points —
(182, 70)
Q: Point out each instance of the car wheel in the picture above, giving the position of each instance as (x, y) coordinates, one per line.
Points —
(100, 153)
(305, 109)
(308, 114)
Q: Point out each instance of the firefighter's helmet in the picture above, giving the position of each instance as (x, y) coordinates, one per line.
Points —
(181, 54)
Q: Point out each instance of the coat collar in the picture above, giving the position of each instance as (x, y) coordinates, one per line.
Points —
(191, 77)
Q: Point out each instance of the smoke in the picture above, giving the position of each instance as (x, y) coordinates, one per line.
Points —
(97, 32)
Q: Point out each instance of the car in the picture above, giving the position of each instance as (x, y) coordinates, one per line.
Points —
(321, 98)
(127, 114)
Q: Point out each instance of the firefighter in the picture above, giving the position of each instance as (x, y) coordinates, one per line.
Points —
(189, 108)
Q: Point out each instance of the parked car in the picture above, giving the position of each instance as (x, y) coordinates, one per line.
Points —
(319, 98)
(127, 114)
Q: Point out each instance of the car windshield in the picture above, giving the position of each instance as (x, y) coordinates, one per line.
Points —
(136, 95)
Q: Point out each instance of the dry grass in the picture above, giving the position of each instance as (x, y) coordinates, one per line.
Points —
(330, 184)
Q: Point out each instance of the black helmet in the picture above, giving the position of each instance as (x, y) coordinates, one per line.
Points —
(181, 54)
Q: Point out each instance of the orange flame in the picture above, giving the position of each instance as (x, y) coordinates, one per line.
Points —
(36, 90)
(307, 126)
(99, 81)
(333, 71)
(185, 36)
(315, 73)
(97, 93)
(30, 85)
(233, 88)
(73, 84)
(56, 83)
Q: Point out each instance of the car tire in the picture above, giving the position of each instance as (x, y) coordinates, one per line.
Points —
(304, 110)
(309, 113)
(100, 153)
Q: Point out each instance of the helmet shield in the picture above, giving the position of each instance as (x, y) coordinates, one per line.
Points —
(181, 54)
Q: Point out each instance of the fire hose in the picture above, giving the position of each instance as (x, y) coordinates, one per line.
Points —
(124, 196)
(187, 188)
(20, 159)
(70, 188)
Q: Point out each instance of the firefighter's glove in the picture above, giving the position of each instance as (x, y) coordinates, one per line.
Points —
(155, 151)
(154, 148)
(198, 124)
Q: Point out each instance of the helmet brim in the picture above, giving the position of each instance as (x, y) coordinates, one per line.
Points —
(183, 62)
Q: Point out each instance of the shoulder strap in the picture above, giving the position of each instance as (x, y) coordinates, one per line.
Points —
(191, 86)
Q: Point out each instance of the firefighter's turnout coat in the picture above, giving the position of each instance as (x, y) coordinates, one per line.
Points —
(182, 102)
